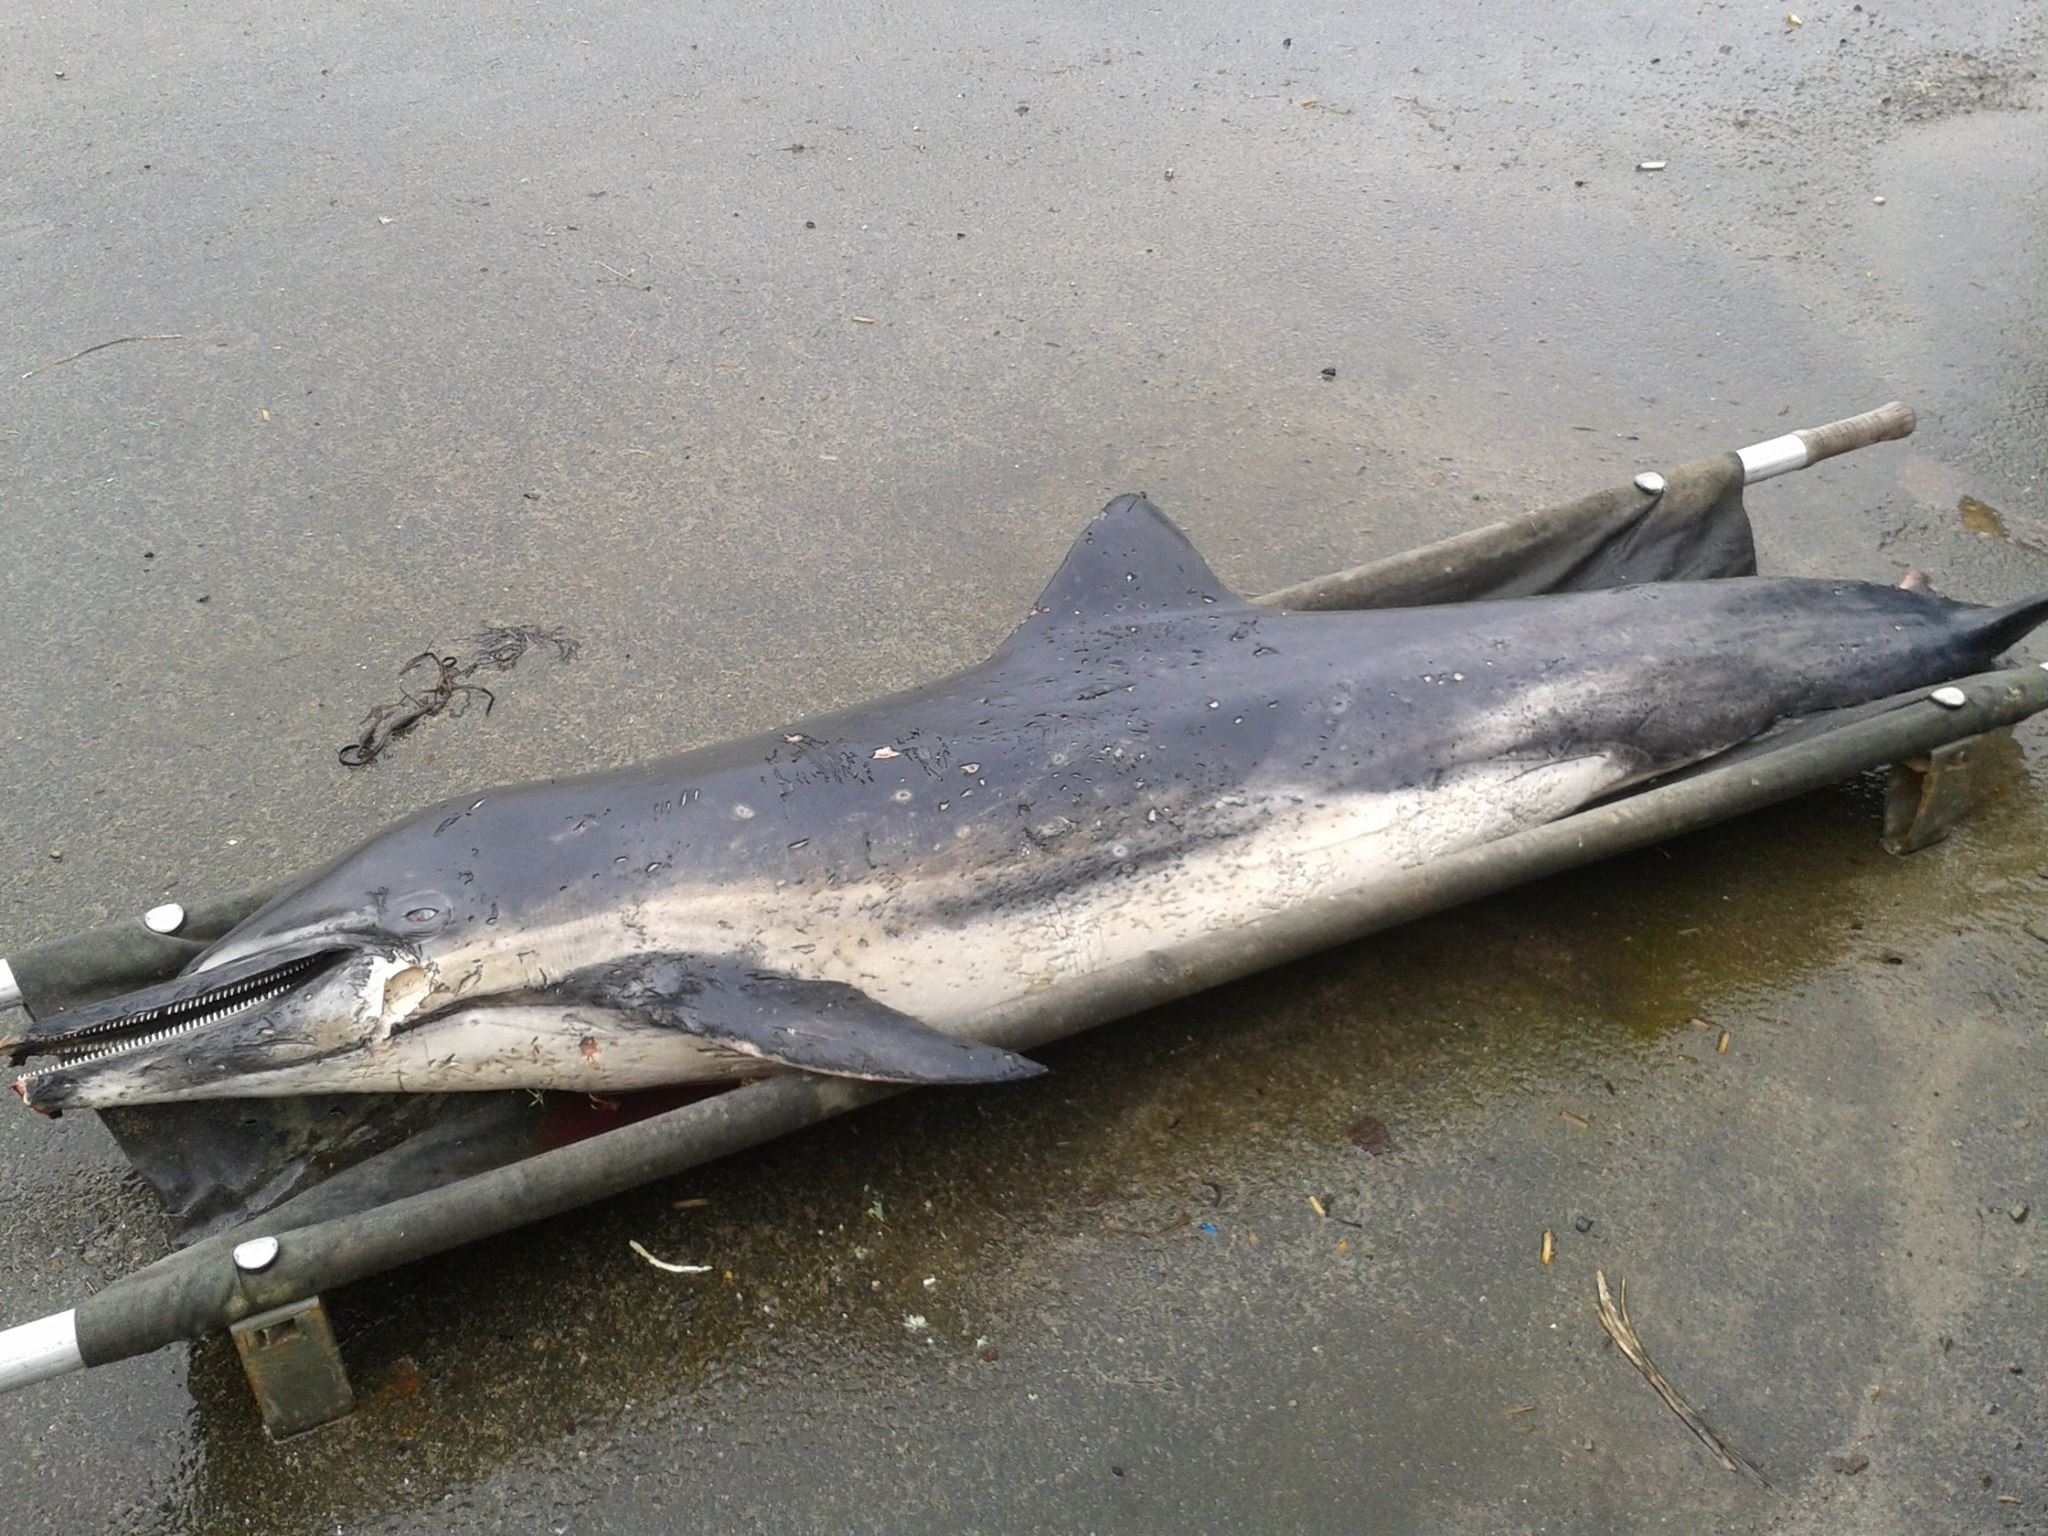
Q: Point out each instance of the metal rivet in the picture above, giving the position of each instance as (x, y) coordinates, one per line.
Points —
(256, 1255)
(1950, 698)
(1650, 483)
(168, 918)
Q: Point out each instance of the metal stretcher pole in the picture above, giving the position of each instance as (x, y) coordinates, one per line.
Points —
(1661, 518)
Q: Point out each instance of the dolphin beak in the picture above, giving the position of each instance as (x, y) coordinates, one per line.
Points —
(101, 1034)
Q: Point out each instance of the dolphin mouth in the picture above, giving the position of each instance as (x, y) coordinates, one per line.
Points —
(99, 1032)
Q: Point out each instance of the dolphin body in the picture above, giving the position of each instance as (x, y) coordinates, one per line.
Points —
(1147, 757)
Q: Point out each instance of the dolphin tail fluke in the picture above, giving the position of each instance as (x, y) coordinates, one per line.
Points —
(816, 1026)
(1999, 629)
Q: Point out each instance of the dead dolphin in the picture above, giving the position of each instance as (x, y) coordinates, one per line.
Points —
(1148, 757)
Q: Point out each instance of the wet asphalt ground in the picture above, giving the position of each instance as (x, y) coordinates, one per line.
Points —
(775, 355)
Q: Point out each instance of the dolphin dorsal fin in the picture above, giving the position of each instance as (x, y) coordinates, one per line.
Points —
(1130, 562)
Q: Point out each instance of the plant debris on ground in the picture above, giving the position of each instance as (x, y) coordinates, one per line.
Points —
(450, 691)
(1622, 1329)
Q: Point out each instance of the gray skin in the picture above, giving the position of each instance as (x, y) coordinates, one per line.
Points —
(1147, 756)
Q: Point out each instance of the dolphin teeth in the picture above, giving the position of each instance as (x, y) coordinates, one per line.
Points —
(222, 1003)
(233, 991)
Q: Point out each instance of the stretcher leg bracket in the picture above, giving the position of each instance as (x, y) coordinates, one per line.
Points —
(1926, 798)
(294, 1368)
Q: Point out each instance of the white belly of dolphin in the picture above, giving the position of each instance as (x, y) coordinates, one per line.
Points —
(589, 1050)
(946, 949)
(952, 972)
(1290, 851)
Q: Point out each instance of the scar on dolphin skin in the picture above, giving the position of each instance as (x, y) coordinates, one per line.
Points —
(499, 648)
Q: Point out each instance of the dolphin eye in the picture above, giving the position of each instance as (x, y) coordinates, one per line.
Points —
(423, 906)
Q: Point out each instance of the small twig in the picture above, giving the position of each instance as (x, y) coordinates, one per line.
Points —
(674, 1269)
(628, 279)
(1615, 1319)
(101, 346)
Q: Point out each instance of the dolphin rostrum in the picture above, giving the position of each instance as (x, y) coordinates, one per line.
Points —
(1147, 757)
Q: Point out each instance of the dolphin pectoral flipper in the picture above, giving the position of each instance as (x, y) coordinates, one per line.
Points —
(816, 1026)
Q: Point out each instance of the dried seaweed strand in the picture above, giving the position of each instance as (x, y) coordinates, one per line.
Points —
(499, 649)
(1615, 1319)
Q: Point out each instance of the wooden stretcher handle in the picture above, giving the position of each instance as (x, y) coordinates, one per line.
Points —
(1796, 450)
(1883, 425)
